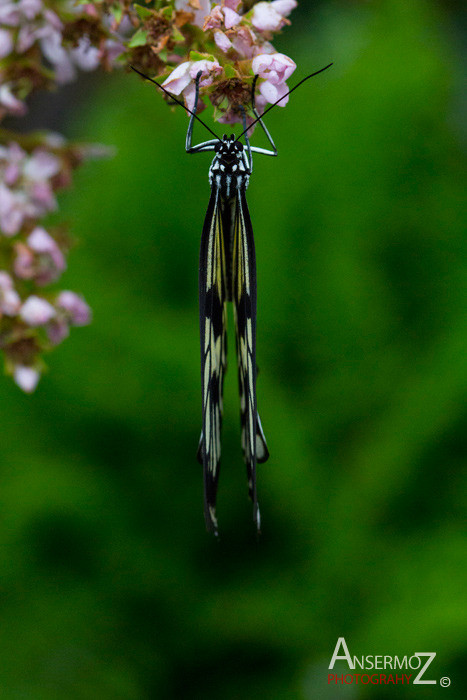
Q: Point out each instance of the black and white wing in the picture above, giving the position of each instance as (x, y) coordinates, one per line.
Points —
(212, 317)
(244, 299)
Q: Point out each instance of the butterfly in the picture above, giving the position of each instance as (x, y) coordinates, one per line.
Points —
(227, 273)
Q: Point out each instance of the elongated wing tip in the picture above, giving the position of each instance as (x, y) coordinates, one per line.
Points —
(257, 518)
(211, 520)
(199, 452)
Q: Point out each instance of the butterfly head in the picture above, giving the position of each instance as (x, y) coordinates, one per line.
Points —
(228, 150)
(229, 169)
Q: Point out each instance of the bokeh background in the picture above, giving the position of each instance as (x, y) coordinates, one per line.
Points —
(111, 587)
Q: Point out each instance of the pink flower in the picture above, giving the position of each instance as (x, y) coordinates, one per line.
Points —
(222, 41)
(11, 103)
(36, 311)
(284, 7)
(208, 70)
(182, 79)
(65, 61)
(189, 94)
(13, 14)
(27, 187)
(231, 18)
(112, 50)
(224, 15)
(40, 242)
(272, 93)
(10, 302)
(260, 103)
(10, 13)
(275, 68)
(41, 165)
(85, 56)
(57, 330)
(78, 312)
(54, 52)
(6, 43)
(179, 78)
(24, 262)
(243, 41)
(53, 20)
(269, 16)
(42, 199)
(12, 211)
(26, 378)
(30, 8)
(214, 20)
(41, 259)
(11, 158)
(28, 35)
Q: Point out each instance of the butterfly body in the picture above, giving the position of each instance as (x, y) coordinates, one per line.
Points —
(229, 171)
(227, 272)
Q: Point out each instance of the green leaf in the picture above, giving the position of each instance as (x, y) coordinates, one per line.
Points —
(196, 56)
(230, 71)
(177, 35)
(138, 39)
(117, 12)
(142, 12)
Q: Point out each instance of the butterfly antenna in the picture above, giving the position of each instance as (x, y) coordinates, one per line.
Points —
(281, 98)
(167, 92)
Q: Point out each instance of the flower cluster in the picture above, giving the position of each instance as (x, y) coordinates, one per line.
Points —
(32, 257)
(227, 42)
(42, 44)
(26, 189)
(37, 49)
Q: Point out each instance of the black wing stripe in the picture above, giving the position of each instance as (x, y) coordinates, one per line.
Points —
(244, 298)
(262, 452)
(212, 296)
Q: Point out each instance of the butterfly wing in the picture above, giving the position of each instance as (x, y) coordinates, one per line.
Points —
(212, 316)
(244, 299)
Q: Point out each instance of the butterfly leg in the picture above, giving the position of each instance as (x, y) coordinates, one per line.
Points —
(263, 125)
(206, 145)
(249, 159)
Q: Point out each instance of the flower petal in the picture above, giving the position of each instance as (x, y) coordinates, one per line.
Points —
(207, 68)
(179, 78)
(272, 93)
(36, 311)
(284, 7)
(265, 18)
(10, 302)
(12, 104)
(26, 378)
(75, 306)
(222, 41)
(6, 43)
(231, 18)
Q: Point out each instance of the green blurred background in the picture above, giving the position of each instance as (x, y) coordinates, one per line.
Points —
(111, 587)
